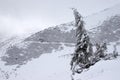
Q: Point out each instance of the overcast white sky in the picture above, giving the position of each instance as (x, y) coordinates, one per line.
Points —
(25, 16)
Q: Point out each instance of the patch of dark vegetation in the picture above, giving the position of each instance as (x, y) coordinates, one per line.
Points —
(16, 55)
(53, 35)
(109, 30)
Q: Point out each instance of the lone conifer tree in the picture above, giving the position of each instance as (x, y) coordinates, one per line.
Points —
(83, 51)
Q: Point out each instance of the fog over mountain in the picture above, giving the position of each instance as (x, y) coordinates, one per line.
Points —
(28, 16)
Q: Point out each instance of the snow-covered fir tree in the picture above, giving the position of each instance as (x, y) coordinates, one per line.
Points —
(84, 56)
(83, 51)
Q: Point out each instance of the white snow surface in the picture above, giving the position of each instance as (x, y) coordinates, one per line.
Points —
(56, 66)
(10, 42)
(96, 19)
(50, 66)
(103, 70)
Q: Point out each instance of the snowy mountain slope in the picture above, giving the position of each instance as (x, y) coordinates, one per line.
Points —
(93, 23)
(24, 52)
(109, 30)
(61, 33)
(47, 67)
(97, 19)
(56, 66)
(103, 70)
(9, 42)
(43, 54)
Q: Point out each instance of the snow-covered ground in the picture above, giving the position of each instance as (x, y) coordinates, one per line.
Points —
(49, 66)
(103, 70)
(56, 66)
(97, 19)
(10, 42)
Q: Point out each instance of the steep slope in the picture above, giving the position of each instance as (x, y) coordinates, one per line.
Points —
(44, 53)
(47, 67)
(97, 19)
(61, 33)
(109, 30)
(103, 70)
(56, 66)
(93, 23)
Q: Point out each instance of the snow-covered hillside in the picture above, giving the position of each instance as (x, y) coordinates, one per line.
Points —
(97, 19)
(103, 70)
(95, 24)
(45, 55)
(50, 66)
(56, 66)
